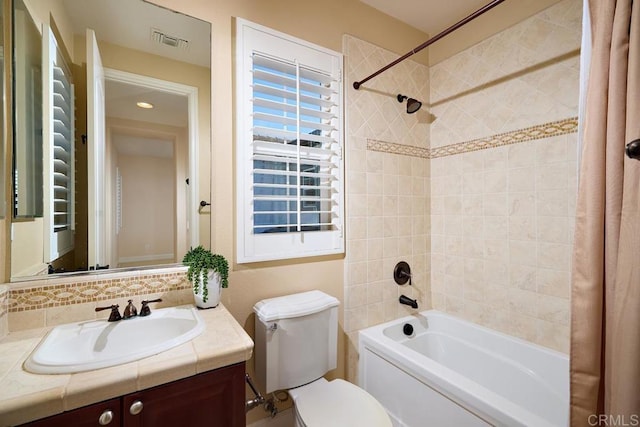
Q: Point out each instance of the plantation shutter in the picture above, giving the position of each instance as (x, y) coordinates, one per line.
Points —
(58, 154)
(292, 140)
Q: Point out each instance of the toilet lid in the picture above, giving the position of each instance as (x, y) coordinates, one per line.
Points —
(340, 403)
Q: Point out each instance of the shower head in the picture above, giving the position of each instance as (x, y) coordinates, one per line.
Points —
(413, 105)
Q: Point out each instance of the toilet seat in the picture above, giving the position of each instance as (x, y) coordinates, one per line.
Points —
(335, 403)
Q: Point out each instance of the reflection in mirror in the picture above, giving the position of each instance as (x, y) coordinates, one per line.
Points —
(27, 147)
(3, 109)
(139, 173)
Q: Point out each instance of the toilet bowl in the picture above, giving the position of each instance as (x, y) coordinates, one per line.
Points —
(336, 403)
(296, 339)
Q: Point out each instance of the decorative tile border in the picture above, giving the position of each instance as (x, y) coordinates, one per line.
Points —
(393, 148)
(547, 130)
(41, 297)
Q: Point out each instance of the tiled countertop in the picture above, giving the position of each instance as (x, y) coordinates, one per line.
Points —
(25, 397)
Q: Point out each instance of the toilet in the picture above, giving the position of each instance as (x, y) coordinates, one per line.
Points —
(296, 343)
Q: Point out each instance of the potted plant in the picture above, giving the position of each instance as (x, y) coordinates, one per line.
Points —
(208, 272)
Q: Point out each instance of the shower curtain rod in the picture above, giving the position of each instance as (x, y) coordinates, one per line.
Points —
(474, 15)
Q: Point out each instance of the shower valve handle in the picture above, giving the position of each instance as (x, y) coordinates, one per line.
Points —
(402, 273)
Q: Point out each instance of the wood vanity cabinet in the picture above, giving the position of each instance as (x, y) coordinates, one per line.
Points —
(211, 399)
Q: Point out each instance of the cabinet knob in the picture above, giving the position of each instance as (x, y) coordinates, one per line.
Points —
(106, 417)
(136, 407)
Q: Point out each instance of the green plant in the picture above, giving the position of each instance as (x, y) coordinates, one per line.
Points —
(199, 260)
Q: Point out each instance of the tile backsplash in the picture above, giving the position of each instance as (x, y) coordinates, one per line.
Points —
(53, 301)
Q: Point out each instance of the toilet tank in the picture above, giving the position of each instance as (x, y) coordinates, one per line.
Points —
(296, 339)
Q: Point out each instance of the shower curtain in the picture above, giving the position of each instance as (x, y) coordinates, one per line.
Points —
(605, 319)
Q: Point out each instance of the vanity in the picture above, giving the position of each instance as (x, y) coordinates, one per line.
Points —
(200, 382)
(90, 212)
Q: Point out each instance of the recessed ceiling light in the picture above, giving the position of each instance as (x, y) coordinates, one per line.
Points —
(143, 104)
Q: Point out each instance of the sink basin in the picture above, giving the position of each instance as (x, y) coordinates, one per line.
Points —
(83, 346)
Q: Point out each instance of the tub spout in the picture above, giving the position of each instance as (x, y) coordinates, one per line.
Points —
(408, 301)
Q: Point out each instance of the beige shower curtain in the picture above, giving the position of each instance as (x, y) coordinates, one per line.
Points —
(605, 319)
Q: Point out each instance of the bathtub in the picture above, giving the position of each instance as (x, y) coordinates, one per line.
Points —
(450, 372)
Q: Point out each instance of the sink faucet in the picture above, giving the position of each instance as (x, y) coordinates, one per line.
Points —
(130, 311)
(408, 301)
(115, 314)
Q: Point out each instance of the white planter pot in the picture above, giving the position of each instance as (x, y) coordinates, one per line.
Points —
(214, 286)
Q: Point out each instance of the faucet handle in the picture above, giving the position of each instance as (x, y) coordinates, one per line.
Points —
(402, 273)
(145, 310)
(130, 311)
(115, 314)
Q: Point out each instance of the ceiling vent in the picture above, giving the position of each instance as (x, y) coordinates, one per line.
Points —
(160, 37)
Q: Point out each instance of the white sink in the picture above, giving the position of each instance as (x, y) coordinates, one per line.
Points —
(83, 346)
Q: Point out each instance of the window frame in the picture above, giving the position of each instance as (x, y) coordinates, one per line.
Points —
(255, 39)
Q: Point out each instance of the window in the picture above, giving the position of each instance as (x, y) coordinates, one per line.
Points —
(58, 152)
(289, 147)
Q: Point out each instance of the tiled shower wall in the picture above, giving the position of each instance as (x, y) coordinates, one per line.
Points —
(387, 193)
(524, 76)
(502, 217)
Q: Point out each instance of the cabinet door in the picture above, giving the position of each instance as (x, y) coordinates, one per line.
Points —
(89, 416)
(213, 399)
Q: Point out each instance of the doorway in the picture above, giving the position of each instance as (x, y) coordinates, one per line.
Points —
(151, 157)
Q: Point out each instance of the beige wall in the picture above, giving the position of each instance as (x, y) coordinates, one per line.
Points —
(27, 235)
(5, 256)
(41, 10)
(323, 24)
(148, 208)
(178, 169)
(502, 218)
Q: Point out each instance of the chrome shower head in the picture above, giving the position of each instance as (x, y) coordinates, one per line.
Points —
(413, 105)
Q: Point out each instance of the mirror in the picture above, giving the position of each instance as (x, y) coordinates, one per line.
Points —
(3, 109)
(128, 193)
(27, 84)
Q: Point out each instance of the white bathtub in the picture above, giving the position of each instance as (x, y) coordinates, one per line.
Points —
(450, 372)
